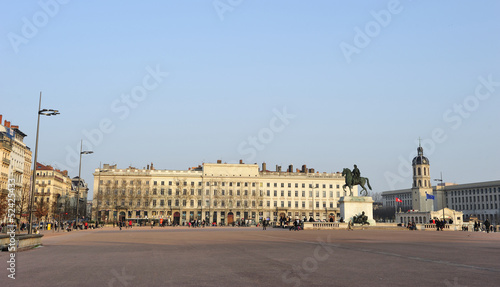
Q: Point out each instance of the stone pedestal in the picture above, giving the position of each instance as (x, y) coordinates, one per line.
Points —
(355, 205)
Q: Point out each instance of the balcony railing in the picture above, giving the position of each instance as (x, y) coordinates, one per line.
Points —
(7, 145)
(42, 193)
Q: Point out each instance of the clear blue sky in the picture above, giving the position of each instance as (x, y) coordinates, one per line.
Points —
(411, 69)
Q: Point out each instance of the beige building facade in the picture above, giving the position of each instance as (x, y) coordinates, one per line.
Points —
(53, 192)
(215, 192)
(15, 164)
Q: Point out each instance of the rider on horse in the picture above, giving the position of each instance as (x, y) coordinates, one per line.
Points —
(356, 175)
(354, 178)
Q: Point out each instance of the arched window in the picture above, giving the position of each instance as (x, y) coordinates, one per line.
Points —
(419, 183)
(414, 171)
(419, 171)
(425, 171)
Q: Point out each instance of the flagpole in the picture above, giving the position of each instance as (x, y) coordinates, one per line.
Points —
(396, 211)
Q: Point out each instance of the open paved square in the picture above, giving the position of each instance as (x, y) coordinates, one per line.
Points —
(227, 256)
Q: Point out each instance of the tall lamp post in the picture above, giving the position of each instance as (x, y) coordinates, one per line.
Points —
(44, 112)
(98, 194)
(442, 183)
(313, 203)
(80, 180)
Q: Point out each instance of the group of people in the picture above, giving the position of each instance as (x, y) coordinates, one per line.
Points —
(411, 226)
(123, 223)
(487, 226)
(440, 224)
(54, 226)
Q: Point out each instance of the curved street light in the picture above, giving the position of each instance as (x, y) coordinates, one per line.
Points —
(80, 180)
(97, 196)
(44, 112)
(444, 194)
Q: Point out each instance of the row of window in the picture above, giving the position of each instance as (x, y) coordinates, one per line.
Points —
(230, 192)
(215, 183)
(216, 203)
(419, 171)
(480, 198)
(427, 183)
(475, 206)
(144, 214)
(473, 191)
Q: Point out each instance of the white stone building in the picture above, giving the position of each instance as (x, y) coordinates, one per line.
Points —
(221, 193)
(480, 199)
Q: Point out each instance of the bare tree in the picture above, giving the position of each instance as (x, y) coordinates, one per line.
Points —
(98, 197)
(54, 206)
(385, 213)
(22, 201)
(42, 209)
(3, 205)
(107, 198)
(181, 195)
(377, 196)
(258, 198)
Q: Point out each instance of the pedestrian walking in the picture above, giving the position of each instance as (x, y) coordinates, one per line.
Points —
(487, 226)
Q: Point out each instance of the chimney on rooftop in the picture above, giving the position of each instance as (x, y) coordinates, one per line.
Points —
(1, 119)
(304, 168)
(263, 166)
(290, 168)
(220, 161)
(148, 166)
(241, 161)
(152, 168)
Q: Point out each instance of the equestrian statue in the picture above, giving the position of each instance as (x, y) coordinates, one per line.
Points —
(354, 178)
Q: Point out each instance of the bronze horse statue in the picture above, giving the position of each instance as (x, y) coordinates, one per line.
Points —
(350, 182)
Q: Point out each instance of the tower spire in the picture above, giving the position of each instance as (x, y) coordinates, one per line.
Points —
(420, 150)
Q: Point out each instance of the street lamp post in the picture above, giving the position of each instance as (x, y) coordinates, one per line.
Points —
(313, 203)
(442, 183)
(45, 112)
(80, 180)
(98, 193)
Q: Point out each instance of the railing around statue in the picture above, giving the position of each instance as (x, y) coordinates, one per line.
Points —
(321, 225)
(432, 226)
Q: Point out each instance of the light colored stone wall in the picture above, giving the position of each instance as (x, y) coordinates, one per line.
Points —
(219, 188)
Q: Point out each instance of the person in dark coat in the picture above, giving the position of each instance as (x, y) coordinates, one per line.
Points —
(487, 225)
